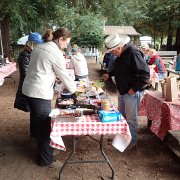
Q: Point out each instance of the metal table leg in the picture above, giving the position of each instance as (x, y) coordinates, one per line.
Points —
(74, 141)
(69, 161)
(105, 156)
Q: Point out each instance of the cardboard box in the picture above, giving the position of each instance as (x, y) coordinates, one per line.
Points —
(109, 116)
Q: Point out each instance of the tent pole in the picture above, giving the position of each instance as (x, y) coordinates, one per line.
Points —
(1, 43)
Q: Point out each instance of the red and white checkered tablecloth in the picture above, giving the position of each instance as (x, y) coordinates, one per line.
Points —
(165, 115)
(7, 69)
(88, 125)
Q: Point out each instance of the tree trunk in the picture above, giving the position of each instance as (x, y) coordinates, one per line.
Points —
(161, 41)
(169, 37)
(5, 36)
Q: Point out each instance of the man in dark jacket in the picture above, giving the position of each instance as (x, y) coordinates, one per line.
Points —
(131, 75)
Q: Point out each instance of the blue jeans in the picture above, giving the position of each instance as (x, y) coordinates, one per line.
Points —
(161, 75)
(128, 105)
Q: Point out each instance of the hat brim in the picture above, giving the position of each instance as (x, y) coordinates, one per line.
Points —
(124, 41)
(106, 50)
(39, 41)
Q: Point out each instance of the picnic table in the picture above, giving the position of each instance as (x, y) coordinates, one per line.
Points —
(164, 116)
(6, 70)
(167, 55)
(89, 125)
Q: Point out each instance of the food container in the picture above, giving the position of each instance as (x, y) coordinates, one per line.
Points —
(105, 105)
(70, 113)
(109, 116)
(66, 95)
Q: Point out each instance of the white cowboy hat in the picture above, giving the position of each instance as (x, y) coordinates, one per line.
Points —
(115, 40)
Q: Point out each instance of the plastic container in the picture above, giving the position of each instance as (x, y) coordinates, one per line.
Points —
(105, 105)
(109, 116)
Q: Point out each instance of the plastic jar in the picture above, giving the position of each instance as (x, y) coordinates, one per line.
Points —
(105, 105)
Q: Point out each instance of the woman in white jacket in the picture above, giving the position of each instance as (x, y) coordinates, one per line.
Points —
(46, 62)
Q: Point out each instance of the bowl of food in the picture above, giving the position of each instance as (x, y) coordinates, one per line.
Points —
(65, 95)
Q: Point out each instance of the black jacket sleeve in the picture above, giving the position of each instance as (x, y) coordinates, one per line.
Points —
(23, 61)
(141, 71)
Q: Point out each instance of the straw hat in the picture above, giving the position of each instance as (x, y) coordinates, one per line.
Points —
(115, 40)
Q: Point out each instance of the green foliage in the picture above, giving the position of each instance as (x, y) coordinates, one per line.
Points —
(162, 19)
(19, 16)
(87, 29)
(88, 40)
(158, 18)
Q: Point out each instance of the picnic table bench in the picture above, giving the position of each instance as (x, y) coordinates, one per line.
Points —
(172, 140)
(93, 52)
(167, 55)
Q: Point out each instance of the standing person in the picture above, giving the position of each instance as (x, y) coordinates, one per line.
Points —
(23, 62)
(111, 63)
(107, 57)
(78, 63)
(157, 61)
(47, 62)
(131, 75)
(145, 50)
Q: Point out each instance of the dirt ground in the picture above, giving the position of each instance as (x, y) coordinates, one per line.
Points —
(151, 160)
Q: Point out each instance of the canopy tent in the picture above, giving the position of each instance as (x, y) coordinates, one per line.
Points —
(145, 40)
(23, 40)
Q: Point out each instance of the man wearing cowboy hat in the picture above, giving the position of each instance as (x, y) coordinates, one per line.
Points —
(131, 75)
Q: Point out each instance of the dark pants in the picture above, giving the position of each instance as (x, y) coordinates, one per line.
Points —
(32, 126)
(40, 110)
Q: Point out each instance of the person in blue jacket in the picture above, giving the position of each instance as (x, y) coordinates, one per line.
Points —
(107, 58)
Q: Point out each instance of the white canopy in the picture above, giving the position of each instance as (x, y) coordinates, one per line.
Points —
(145, 40)
(22, 40)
